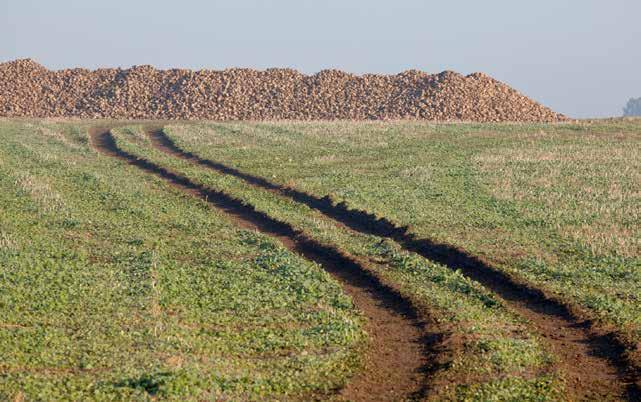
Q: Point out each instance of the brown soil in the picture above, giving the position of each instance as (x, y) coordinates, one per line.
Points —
(594, 361)
(27, 89)
(402, 351)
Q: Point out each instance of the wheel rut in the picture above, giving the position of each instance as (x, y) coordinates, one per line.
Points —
(594, 361)
(402, 350)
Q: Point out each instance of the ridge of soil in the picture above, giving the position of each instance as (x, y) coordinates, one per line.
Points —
(595, 361)
(402, 352)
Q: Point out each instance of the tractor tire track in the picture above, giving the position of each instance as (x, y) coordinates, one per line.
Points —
(402, 352)
(595, 362)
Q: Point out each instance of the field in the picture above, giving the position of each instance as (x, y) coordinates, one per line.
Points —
(320, 260)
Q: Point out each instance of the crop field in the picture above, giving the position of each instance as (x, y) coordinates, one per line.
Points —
(333, 260)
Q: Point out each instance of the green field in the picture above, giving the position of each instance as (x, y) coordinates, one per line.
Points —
(521, 257)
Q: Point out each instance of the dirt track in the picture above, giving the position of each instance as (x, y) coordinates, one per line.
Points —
(593, 360)
(401, 350)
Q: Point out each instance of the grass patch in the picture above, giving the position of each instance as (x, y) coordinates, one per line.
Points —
(492, 343)
(115, 286)
(556, 204)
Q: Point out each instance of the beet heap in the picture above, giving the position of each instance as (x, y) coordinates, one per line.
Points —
(28, 89)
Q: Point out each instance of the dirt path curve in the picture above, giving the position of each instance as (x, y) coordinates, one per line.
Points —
(398, 359)
(593, 360)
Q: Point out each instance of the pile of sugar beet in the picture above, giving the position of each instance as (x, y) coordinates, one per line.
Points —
(28, 89)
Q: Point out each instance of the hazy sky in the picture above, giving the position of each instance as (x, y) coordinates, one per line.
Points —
(580, 57)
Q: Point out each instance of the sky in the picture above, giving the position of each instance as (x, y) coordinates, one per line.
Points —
(579, 57)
